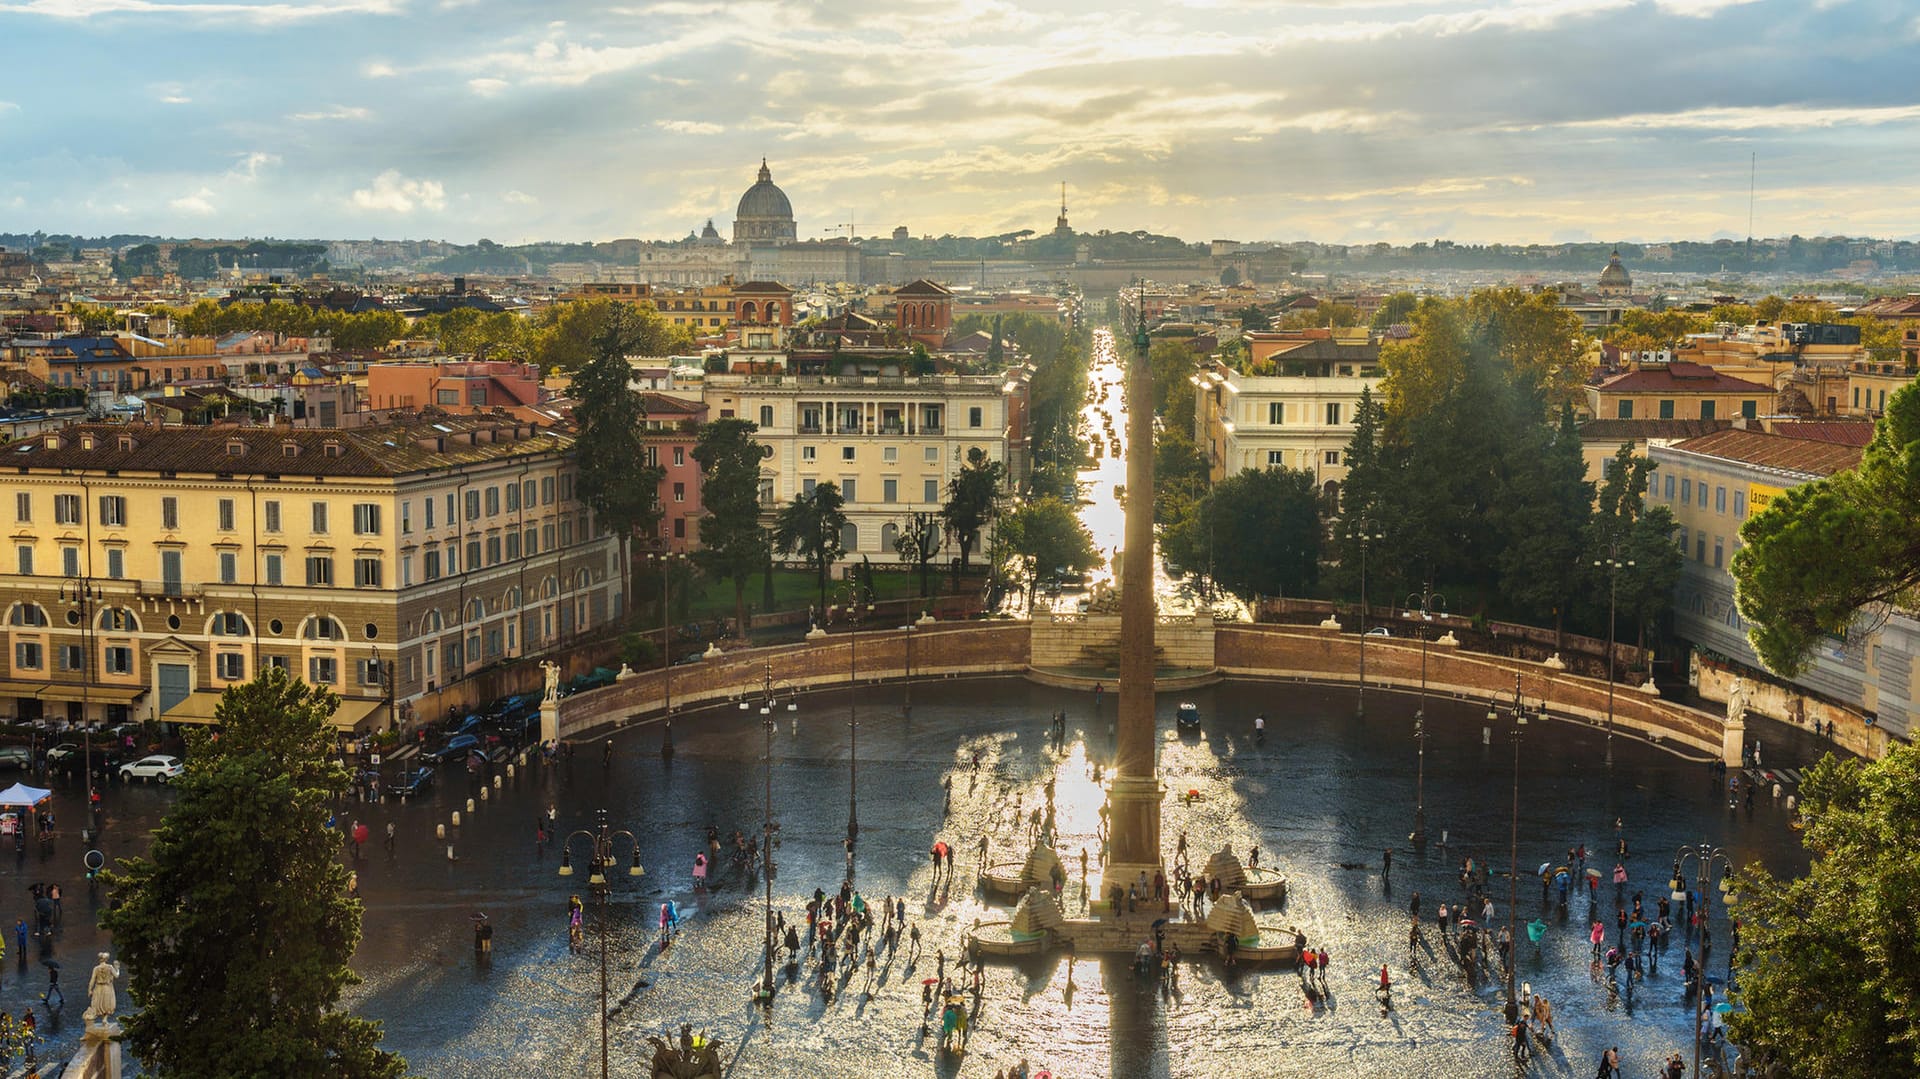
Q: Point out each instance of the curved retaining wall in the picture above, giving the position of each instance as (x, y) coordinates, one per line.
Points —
(1317, 655)
(939, 650)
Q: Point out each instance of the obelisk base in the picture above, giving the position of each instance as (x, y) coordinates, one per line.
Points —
(1733, 742)
(1133, 821)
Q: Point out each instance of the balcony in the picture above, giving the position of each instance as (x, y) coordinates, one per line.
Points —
(167, 589)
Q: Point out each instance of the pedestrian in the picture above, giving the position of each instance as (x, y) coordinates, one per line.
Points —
(53, 988)
(1443, 921)
(1386, 863)
(699, 871)
(1598, 935)
(53, 893)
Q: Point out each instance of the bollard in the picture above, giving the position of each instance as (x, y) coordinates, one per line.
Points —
(483, 793)
(469, 805)
(496, 780)
(439, 831)
(1486, 736)
(509, 771)
(450, 856)
(456, 818)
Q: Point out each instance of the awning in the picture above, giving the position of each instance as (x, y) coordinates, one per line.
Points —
(21, 689)
(196, 708)
(60, 691)
(354, 712)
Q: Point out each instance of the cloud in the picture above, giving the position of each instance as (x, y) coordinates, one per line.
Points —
(689, 127)
(1755, 117)
(198, 204)
(488, 87)
(379, 69)
(397, 194)
(265, 14)
(335, 112)
(250, 164)
(519, 198)
(8, 106)
(170, 93)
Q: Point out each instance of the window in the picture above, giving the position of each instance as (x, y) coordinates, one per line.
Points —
(930, 490)
(451, 516)
(476, 395)
(1706, 410)
(493, 550)
(679, 455)
(320, 518)
(1740, 504)
(889, 490)
(170, 512)
(566, 531)
(230, 666)
(226, 515)
(679, 528)
(276, 662)
(473, 555)
(546, 490)
(766, 492)
(527, 494)
(319, 571)
(513, 545)
(430, 565)
(446, 397)
(1625, 410)
(806, 488)
(532, 537)
(846, 453)
(566, 487)
(1666, 409)
(1669, 488)
(366, 519)
(1751, 409)
(22, 507)
(29, 614)
(546, 537)
(26, 656)
(270, 514)
(406, 518)
(116, 563)
(513, 497)
(228, 624)
(1702, 488)
(229, 567)
(367, 671)
(1700, 547)
(679, 492)
(807, 453)
(766, 415)
(1686, 492)
(323, 628)
(847, 490)
(429, 506)
(366, 573)
(473, 647)
(974, 416)
(25, 554)
(113, 511)
(1276, 413)
(1333, 413)
(933, 455)
(653, 456)
(70, 561)
(1719, 553)
(66, 509)
(1719, 500)
(118, 659)
(493, 501)
(72, 657)
(273, 569)
(322, 670)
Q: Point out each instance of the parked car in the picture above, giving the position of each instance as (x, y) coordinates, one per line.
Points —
(63, 751)
(15, 757)
(1187, 716)
(417, 781)
(467, 725)
(1379, 631)
(158, 766)
(456, 748)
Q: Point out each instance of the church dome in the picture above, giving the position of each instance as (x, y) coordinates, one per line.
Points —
(763, 199)
(1615, 275)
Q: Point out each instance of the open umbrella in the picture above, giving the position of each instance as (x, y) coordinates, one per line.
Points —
(1535, 930)
(1594, 873)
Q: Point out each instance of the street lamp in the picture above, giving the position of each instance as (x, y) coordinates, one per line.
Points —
(601, 859)
(1426, 603)
(769, 706)
(80, 594)
(1704, 857)
(1613, 563)
(1518, 711)
(858, 609)
(1366, 536)
(667, 560)
(906, 687)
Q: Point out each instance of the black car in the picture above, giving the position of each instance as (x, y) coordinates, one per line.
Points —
(418, 781)
(1188, 716)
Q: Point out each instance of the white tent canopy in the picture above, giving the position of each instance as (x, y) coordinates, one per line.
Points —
(22, 795)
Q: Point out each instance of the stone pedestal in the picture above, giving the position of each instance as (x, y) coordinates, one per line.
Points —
(1133, 820)
(549, 721)
(1733, 740)
(99, 1052)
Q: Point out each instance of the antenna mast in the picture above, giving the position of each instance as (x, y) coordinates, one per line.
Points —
(1753, 174)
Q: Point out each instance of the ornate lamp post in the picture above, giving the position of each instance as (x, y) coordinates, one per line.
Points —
(853, 722)
(1705, 858)
(600, 845)
(1613, 564)
(1518, 712)
(1366, 535)
(80, 594)
(769, 707)
(906, 686)
(667, 560)
(1426, 603)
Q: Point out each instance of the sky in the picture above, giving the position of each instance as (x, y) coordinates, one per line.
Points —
(1349, 121)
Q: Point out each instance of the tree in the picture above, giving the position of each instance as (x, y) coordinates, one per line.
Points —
(1253, 319)
(1395, 310)
(1819, 554)
(1543, 519)
(1264, 526)
(810, 526)
(94, 318)
(610, 452)
(919, 543)
(1046, 537)
(499, 335)
(1829, 963)
(1172, 363)
(236, 929)
(973, 501)
(565, 336)
(1639, 534)
(733, 544)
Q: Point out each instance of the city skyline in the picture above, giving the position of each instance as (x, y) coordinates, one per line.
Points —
(1346, 121)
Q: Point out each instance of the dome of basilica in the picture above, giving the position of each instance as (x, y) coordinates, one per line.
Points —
(764, 215)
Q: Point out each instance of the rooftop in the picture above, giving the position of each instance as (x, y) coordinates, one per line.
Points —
(1783, 452)
(1680, 378)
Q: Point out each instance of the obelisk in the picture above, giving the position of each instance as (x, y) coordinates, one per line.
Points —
(1133, 801)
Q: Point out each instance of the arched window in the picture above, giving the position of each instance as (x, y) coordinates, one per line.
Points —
(513, 598)
(432, 622)
(583, 579)
(228, 624)
(773, 311)
(117, 618)
(27, 614)
(475, 610)
(549, 588)
(321, 627)
(748, 310)
(850, 537)
(889, 535)
(1330, 494)
(906, 315)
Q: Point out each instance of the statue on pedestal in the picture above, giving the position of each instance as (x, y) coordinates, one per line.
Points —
(552, 671)
(101, 1000)
(1737, 696)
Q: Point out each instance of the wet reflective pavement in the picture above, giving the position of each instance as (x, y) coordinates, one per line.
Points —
(1322, 796)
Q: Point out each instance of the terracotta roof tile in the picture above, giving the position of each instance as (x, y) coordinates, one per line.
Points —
(1802, 455)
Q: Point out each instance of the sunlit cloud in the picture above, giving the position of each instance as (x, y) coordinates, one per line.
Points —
(393, 193)
(334, 112)
(290, 11)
